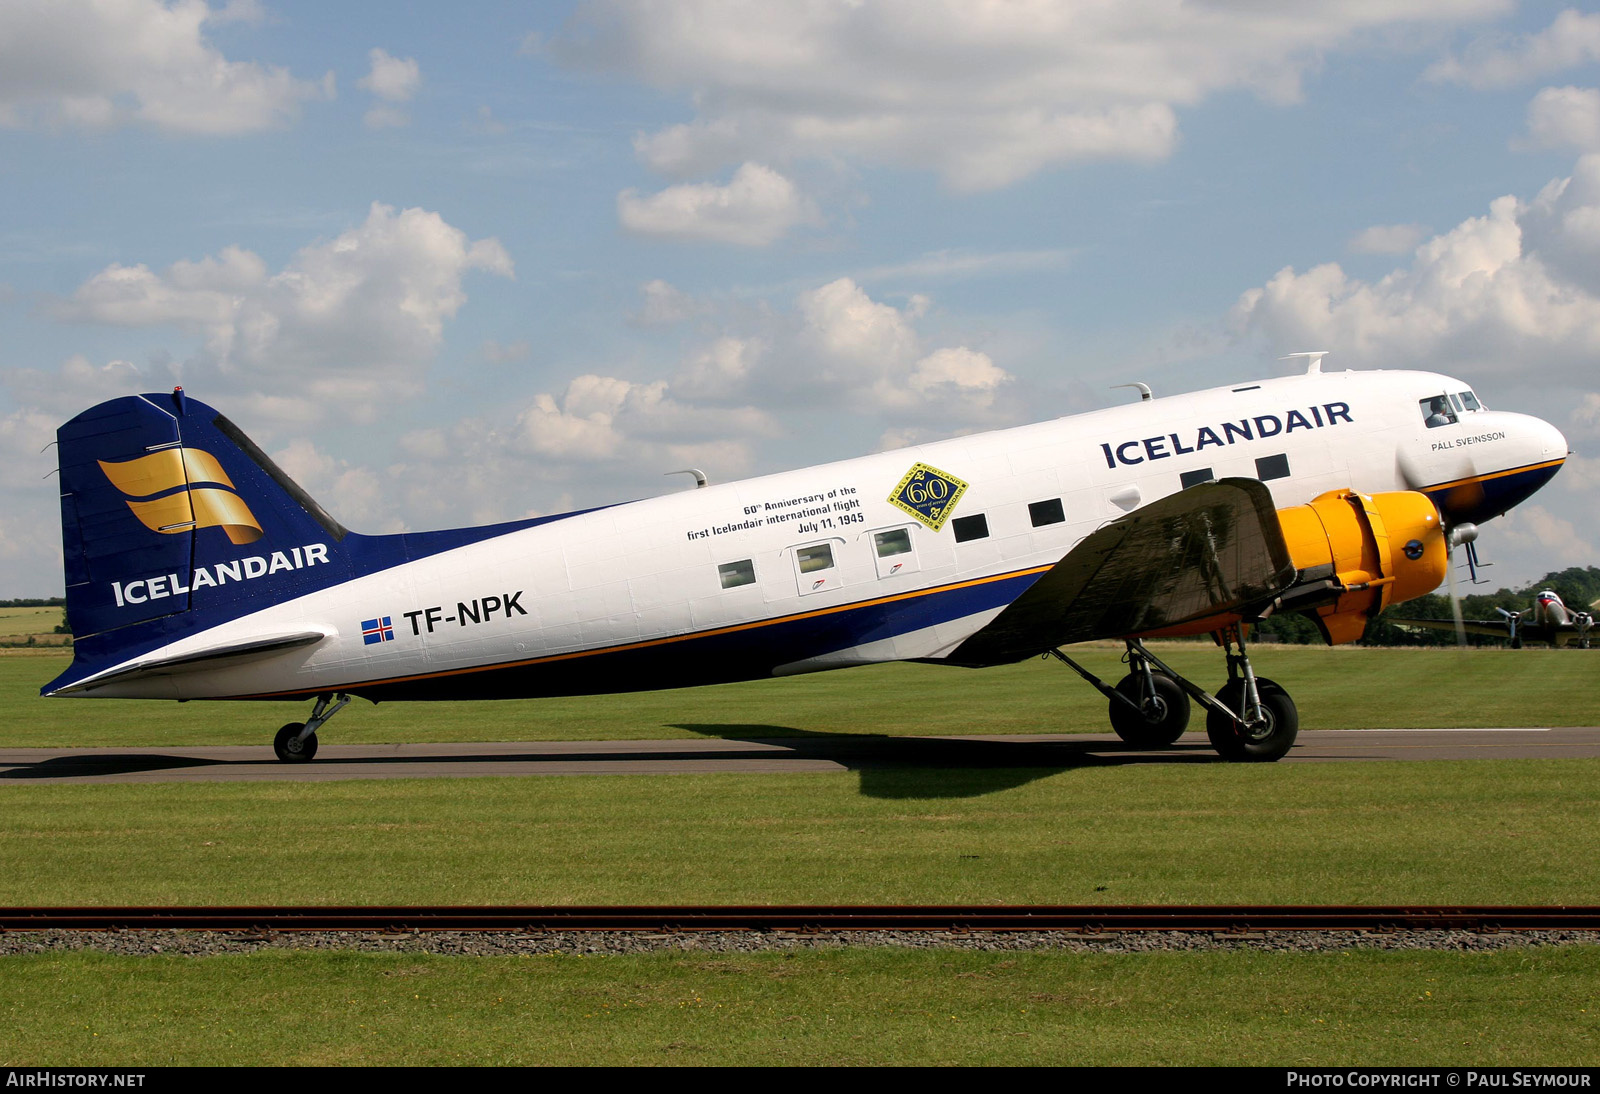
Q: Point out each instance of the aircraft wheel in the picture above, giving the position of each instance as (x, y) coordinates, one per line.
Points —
(1263, 744)
(290, 748)
(1162, 724)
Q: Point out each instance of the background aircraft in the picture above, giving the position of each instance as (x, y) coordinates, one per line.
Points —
(1549, 621)
(196, 569)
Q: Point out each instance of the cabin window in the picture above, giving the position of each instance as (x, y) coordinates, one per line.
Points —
(814, 568)
(1436, 411)
(894, 552)
(1046, 512)
(1272, 467)
(896, 541)
(734, 574)
(1195, 477)
(973, 527)
(819, 556)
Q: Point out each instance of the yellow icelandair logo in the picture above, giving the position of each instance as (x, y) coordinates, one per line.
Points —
(193, 506)
(928, 494)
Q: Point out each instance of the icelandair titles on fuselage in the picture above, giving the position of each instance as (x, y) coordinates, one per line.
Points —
(242, 569)
(1257, 428)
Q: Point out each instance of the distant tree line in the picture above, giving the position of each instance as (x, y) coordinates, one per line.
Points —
(1578, 587)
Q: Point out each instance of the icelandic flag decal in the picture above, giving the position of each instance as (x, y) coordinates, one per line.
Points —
(378, 630)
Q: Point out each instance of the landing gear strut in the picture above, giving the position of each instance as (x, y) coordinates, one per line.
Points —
(1150, 709)
(1250, 719)
(297, 741)
(1254, 720)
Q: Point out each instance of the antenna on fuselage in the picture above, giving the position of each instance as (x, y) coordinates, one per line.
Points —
(1144, 389)
(700, 480)
(1313, 359)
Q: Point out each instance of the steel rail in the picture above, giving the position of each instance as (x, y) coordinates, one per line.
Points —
(1080, 919)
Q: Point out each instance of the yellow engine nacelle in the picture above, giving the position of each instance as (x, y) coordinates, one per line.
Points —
(1376, 549)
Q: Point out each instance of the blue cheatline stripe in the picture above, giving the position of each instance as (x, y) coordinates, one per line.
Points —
(742, 652)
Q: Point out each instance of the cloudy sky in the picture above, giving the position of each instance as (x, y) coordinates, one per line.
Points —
(485, 260)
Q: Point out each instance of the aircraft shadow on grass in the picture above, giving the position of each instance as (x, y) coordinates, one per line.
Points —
(890, 767)
(943, 767)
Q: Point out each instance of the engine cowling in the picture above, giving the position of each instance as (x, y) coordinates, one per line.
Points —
(1359, 553)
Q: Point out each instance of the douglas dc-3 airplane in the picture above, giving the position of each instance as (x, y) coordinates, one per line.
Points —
(195, 569)
(1549, 621)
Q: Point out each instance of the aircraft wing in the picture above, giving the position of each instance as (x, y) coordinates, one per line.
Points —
(1490, 628)
(1210, 550)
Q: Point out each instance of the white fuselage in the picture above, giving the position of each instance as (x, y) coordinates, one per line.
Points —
(644, 576)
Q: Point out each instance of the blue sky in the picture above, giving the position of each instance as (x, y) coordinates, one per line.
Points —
(470, 262)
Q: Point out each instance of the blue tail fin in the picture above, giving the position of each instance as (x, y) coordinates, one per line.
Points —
(167, 508)
(173, 521)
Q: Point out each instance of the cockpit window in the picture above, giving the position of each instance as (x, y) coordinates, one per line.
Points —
(1436, 411)
(1470, 401)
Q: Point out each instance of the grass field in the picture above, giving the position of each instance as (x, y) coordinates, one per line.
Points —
(1345, 688)
(18, 624)
(844, 1006)
(1457, 832)
(1476, 832)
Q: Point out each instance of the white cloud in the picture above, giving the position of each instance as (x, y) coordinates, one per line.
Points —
(1586, 414)
(722, 367)
(757, 207)
(353, 494)
(1516, 291)
(983, 93)
(1565, 117)
(855, 337)
(1387, 239)
(77, 384)
(1542, 534)
(393, 80)
(665, 305)
(1499, 60)
(352, 322)
(99, 63)
(959, 371)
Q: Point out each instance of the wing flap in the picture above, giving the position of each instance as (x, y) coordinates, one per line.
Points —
(1210, 550)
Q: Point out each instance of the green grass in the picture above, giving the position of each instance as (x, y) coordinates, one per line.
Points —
(1343, 688)
(846, 1006)
(1475, 831)
(1458, 832)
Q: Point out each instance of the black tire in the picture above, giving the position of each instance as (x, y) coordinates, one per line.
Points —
(1265, 743)
(289, 747)
(1170, 710)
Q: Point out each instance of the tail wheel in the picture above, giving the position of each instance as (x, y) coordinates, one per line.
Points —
(1259, 744)
(290, 748)
(1164, 717)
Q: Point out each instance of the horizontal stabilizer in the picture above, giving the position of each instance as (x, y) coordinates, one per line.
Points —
(248, 650)
(1210, 550)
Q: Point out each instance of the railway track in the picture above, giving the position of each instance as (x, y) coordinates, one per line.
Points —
(959, 919)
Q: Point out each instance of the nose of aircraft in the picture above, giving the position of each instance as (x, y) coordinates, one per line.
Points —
(1526, 456)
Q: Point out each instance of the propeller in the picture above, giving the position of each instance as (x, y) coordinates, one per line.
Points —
(1462, 535)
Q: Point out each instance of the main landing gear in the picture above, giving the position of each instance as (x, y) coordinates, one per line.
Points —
(297, 741)
(1250, 719)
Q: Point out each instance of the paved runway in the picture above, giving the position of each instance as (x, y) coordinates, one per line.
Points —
(749, 754)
